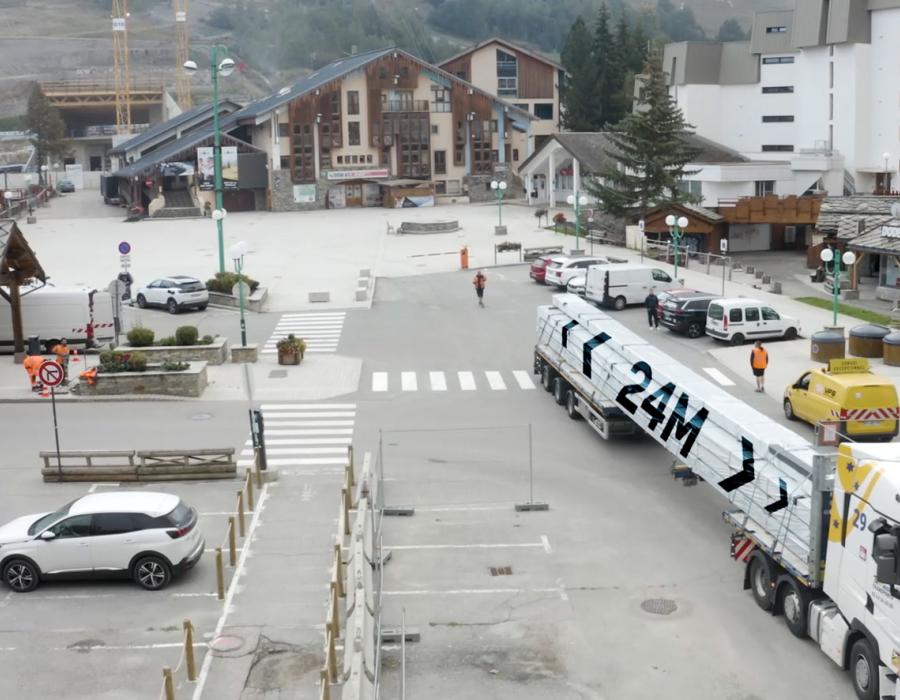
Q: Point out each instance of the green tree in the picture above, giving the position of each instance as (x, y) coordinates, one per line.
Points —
(731, 30)
(649, 152)
(46, 125)
(581, 110)
(608, 68)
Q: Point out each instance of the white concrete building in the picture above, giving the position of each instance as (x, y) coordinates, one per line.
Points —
(816, 88)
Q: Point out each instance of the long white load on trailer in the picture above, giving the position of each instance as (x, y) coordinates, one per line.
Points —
(761, 467)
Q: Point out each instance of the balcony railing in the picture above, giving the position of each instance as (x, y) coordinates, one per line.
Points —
(104, 130)
(405, 106)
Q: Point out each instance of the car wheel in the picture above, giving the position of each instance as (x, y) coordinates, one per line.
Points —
(695, 330)
(152, 573)
(789, 410)
(737, 339)
(864, 669)
(202, 307)
(790, 333)
(172, 306)
(619, 303)
(21, 575)
(761, 582)
(142, 301)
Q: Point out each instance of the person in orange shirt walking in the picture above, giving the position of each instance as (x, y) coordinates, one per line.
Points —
(480, 281)
(32, 364)
(759, 360)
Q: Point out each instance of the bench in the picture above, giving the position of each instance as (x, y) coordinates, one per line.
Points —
(535, 253)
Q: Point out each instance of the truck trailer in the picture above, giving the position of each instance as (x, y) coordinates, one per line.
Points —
(817, 528)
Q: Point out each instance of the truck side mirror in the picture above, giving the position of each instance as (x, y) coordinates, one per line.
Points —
(885, 556)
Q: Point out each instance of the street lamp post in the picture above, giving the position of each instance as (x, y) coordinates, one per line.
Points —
(236, 253)
(827, 255)
(887, 173)
(577, 201)
(225, 67)
(44, 169)
(676, 230)
(499, 188)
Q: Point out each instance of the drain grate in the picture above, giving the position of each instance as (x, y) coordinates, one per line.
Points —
(659, 606)
(501, 571)
(278, 374)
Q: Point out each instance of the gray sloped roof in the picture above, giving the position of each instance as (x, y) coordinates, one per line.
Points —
(845, 217)
(167, 152)
(871, 240)
(172, 124)
(507, 44)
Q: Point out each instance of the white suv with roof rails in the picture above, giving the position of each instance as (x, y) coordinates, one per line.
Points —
(174, 294)
(148, 537)
(562, 268)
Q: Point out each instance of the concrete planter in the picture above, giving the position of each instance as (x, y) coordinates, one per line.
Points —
(499, 230)
(189, 382)
(254, 302)
(248, 353)
(214, 354)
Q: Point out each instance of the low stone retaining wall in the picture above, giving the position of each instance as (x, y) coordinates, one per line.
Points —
(214, 354)
(254, 302)
(428, 227)
(188, 382)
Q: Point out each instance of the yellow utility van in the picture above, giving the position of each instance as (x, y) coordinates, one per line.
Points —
(864, 405)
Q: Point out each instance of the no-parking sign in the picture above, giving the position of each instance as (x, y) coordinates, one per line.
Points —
(51, 373)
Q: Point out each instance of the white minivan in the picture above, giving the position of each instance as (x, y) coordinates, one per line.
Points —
(620, 285)
(739, 320)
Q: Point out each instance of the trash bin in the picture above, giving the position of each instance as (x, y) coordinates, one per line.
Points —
(827, 345)
(34, 345)
(892, 349)
(866, 340)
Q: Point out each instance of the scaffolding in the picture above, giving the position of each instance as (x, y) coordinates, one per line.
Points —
(182, 53)
(120, 66)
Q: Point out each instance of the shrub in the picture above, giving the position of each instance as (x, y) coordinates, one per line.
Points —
(106, 357)
(174, 366)
(111, 361)
(559, 218)
(291, 344)
(140, 337)
(168, 340)
(207, 340)
(224, 282)
(507, 246)
(186, 335)
(136, 362)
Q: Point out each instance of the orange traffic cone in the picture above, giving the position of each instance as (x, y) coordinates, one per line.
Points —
(75, 356)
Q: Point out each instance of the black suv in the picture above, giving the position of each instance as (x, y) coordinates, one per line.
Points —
(685, 312)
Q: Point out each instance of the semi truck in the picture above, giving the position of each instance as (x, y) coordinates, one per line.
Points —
(817, 528)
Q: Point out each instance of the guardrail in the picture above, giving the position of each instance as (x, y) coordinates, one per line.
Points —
(245, 503)
(186, 660)
(141, 465)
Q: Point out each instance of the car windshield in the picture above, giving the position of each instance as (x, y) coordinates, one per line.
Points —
(41, 523)
(193, 286)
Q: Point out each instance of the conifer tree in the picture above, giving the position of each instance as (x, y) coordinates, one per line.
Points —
(47, 127)
(579, 91)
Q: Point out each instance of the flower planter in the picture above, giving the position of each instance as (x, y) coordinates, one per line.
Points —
(289, 357)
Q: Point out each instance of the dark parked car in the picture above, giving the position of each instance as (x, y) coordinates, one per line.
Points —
(65, 186)
(685, 311)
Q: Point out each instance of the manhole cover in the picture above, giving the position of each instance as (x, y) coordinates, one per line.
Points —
(278, 374)
(659, 606)
(501, 571)
(201, 416)
(226, 643)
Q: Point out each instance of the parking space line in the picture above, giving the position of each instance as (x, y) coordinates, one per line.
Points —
(438, 381)
(464, 507)
(718, 376)
(408, 381)
(94, 487)
(465, 546)
(473, 591)
(523, 379)
(466, 381)
(546, 542)
(379, 381)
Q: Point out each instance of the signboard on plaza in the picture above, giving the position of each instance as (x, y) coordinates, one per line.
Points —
(206, 167)
(304, 194)
(369, 174)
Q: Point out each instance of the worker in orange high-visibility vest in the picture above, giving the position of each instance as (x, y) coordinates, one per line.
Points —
(61, 350)
(759, 360)
(32, 364)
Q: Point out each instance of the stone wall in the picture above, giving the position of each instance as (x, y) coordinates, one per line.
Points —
(214, 354)
(282, 189)
(189, 382)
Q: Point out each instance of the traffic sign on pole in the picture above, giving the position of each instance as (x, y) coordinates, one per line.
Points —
(51, 373)
(124, 248)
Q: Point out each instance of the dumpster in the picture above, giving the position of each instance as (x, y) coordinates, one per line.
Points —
(866, 340)
(827, 345)
(892, 348)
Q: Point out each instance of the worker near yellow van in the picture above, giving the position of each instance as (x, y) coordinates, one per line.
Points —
(864, 404)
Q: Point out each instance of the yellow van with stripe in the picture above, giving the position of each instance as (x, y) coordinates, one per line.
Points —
(863, 404)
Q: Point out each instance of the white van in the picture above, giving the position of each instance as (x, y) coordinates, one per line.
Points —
(620, 285)
(738, 320)
(83, 316)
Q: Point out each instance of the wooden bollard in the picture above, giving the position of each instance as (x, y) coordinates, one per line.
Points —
(326, 684)
(220, 574)
(345, 499)
(232, 546)
(189, 650)
(332, 659)
(250, 499)
(240, 512)
(339, 570)
(350, 465)
(168, 683)
(257, 466)
(335, 615)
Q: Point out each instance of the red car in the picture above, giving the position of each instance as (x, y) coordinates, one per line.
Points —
(539, 268)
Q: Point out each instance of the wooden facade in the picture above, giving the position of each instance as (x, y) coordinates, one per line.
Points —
(772, 209)
(536, 79)
(460, 67)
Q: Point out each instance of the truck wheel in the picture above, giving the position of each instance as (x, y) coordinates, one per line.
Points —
(737, 339)
(695, 330)
(559, 390)
(864, 669)
(795, 606)
(619, 303)
(547, 377)
(761, 582)
(571, 406)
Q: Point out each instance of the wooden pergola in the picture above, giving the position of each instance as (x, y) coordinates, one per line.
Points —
(18, 266)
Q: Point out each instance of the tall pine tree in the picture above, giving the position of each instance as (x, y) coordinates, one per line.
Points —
(649, 152)
(579, 91)
(605, 58)
(47, 128)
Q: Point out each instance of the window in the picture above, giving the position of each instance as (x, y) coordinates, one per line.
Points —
(434, 128)
(440, 187)
(831, 105)
(660, 276)
(691, 187)
(777, 148)
(96, 163)
(354, 160)
(352, 133)
(453, 187)
(520, 105)
(543, 110)
(515, 155)
(285, 162)
(804, 381)
(752, 314)
(831, 74)
(440, 99)
(368, 158)
(352, 102)
(76, 526)
(715, 312)
(340, 160)
(772, 60)
(440, 162)
(284, 129)
(769, 119)
(770, 314)
(764, 187)
(777, 89)
(736, 316)
(507, 74)
(780, 29)
(461, 74)
(113, 523)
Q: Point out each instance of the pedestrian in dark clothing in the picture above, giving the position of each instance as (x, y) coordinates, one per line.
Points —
(650, 302)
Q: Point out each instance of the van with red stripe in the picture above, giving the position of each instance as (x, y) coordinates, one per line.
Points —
(864, 404)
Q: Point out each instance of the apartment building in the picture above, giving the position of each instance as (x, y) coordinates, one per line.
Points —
(816, 89)
(525, 78)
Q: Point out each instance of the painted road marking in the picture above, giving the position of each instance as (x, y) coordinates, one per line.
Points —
(466, 381)
(718, 376)
(307, 406)
(523, 379)
(408, 381)
(379, 381)
(466, 546)
(495, 380)
(438, 381)
(304, 441)
(473, 591)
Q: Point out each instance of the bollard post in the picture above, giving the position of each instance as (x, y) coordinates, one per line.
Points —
(708, 262)
(169, 683)
(345, 500)
(326, 685)
(339, 571)
(348, 499)
(220, 574)
(240, 512)
(250, 499)
(350, 465)
(256, 465)
(332, 659)
(335, 615)
(232, 547)
(189, 651)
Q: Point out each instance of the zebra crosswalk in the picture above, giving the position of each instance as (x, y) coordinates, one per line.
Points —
(321, 331)
(438, 381)
(305, 438)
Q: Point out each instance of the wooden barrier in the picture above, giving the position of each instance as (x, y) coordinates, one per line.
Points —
(144, 465)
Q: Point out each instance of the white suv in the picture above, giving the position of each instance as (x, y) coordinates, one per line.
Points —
(561, 269)
(174, 294)
(148, 537)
